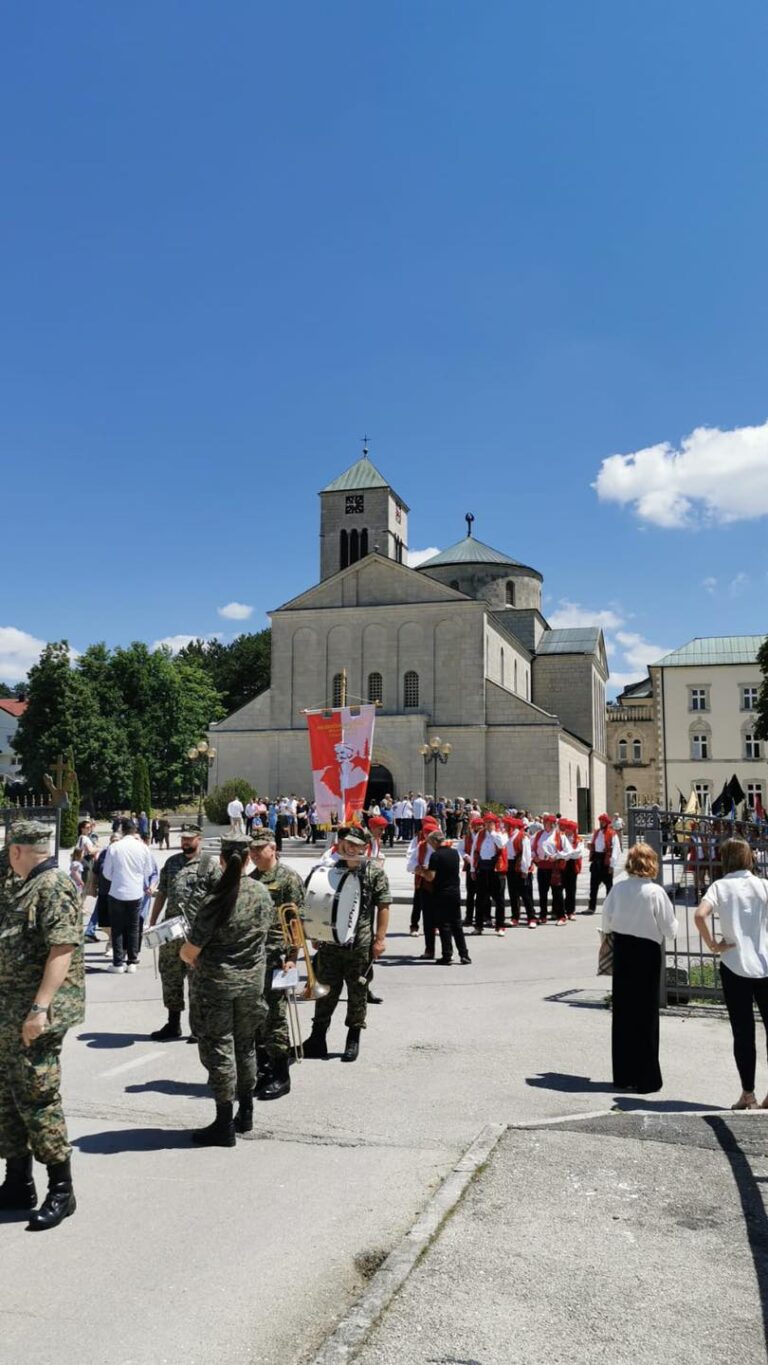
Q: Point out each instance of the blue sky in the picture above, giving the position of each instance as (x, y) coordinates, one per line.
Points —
(509, 241)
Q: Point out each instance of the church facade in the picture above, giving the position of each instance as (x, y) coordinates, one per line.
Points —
(457, 648)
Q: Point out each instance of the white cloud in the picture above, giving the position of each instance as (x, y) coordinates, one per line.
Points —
(710, 584)
(18, 652)
(178, 642)
(715, 476)
(568, 614)
(416, 557)
(739, 584)
(638, 652)
(236, 611)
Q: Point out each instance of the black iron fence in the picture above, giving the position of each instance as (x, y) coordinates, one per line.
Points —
(688, 849)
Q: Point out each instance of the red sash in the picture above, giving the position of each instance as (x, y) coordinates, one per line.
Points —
(545, 863)
(609, 833)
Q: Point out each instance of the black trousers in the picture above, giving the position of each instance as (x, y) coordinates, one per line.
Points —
(741, 993)
(431, 921)
(600, 874)
(569, 887)
(124, 918)
(520, 889)
(417, 905)
(544, 881)
(448, 917)
(635, 1020)
(489, 887)
(471, 893)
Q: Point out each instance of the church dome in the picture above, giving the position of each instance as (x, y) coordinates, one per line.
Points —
(478, 570)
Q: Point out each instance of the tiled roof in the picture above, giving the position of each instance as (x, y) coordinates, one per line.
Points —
(472, 551)
(361, 474)
(573, 640)
(13, 708)
(714, 649)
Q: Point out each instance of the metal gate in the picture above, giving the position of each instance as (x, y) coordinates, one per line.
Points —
(688, 849)
(46, 814)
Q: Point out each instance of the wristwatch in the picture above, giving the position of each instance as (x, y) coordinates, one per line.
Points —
(38, 1009)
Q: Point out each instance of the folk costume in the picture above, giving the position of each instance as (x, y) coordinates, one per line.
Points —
(470, 885)
(544, 865)
(573, 866)
(604, 854)
(489, 863)
(417, 861)
(519, 879)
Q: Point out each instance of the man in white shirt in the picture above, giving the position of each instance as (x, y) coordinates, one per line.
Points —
(250, 812)
(419, 811)
(519, 880)
(490, 843)
(235, 813)
(129, 868)
(406, 820)
(604, 857)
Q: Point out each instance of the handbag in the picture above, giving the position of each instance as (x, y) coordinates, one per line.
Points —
(605, 955)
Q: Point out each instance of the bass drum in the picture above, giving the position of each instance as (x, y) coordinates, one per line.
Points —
(332, 902)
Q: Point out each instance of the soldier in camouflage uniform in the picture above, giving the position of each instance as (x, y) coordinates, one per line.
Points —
(227, 950)
(273, 1042)
(42, 993)
(336, 966)
(185, 880)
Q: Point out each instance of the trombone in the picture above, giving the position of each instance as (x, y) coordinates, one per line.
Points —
(295, 940)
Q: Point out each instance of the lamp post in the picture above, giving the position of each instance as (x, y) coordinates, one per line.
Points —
(435, 752)
(202, 754)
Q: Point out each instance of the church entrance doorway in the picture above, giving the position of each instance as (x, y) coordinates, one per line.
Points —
(380, 784)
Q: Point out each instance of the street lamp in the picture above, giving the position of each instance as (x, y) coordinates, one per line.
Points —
(202, 754)
(435, 752)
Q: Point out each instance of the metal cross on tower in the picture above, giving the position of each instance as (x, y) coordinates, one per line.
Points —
(468, 517)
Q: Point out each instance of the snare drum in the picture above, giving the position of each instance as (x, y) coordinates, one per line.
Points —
(169, 931)
(332, 902)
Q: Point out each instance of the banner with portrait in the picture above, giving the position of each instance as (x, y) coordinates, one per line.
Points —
(340, 746)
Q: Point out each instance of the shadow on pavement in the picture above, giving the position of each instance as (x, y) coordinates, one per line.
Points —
(132, 1140)
(112, 1039)
(579, 999)
(637, 1104)
(558, 1080)
(169, 1088)
(752, 1205)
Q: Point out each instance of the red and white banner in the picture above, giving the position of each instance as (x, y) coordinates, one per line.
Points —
(340, 744)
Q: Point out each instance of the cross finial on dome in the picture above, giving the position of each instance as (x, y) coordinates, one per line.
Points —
(468, 517)
(365, 445)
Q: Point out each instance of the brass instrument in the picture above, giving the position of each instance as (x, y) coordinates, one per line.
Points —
(296, 941)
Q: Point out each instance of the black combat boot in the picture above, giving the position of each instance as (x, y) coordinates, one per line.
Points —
(170, 1030)
(351, 1051)
(263, 1070)
(220, 1133)
(316, 1044)
(280, 1083)
(371, 998)
(59, 1202)
(244, 1118)
(18, 1189)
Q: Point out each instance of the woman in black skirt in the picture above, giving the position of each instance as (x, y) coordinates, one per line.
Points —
(444, 872)
(639, 914)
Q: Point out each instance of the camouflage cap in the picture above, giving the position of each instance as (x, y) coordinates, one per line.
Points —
(355, 834)
(260, 837)
(234, 843)
(32, 832)
(191, 832)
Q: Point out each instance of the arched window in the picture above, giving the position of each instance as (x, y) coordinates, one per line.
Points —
(337, 689)
(375, 687)
(354, 546)
(631, 797)
(411, 689)
(637, 751)
(700, 737)
(510, 593)
(363, 542)
(502, 667)
(343, 550)
(622, 751)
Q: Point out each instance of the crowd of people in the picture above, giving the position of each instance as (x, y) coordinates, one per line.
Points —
(242, 912)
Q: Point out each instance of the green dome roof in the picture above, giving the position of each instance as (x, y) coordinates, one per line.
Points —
(473, 551)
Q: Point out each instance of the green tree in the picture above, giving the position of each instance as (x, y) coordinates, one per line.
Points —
(71, 815)
(141, 796)
(762, 700)
(217, 801)
(239, 671)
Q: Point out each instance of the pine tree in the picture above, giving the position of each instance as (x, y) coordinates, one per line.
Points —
(141, 795)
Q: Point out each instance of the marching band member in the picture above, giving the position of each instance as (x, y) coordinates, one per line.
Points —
(273, 1041)
(336, 966)
(544, 866)
(489, 845)
(465, 850)
(604, 855)
(519, 878)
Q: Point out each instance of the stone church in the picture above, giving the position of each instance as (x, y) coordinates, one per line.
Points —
(456, 648)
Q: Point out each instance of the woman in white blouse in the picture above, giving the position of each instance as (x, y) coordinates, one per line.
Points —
(741, 901)
(639, 914)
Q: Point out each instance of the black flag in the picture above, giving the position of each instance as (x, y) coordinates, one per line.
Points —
(722, 804)
(735, 790)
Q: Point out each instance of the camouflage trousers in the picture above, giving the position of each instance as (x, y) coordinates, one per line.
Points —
(172, 974)
(337, 967)
(225, 1021)
(31, 1116)
(274, 1035)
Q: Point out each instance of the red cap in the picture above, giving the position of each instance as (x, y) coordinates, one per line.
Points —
(490, 815)
(604, 819)
(377, 822)
(429, 824)
(514, 822)
(548, 819)
(476, 821)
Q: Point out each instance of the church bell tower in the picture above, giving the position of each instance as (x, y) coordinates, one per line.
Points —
(361, 514)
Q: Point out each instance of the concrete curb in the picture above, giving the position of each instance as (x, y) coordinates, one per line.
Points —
(350, 1334)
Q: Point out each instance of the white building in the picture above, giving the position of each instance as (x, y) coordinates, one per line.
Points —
(457, 648)
(10, 713)
(705, 698)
